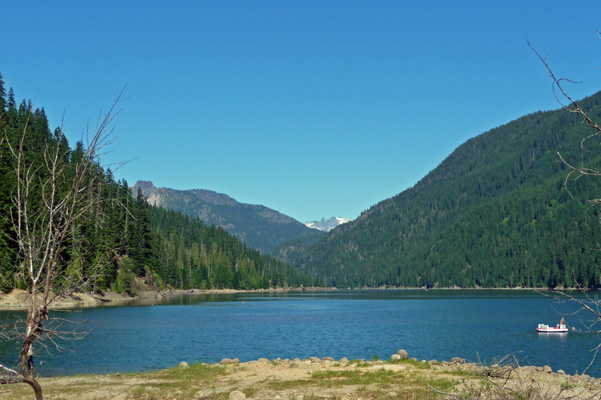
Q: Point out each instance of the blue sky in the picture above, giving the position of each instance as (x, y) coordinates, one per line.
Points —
(312, 108)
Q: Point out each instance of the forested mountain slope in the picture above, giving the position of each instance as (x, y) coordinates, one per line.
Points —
(255, 225)
(122, 236)
(495, 213)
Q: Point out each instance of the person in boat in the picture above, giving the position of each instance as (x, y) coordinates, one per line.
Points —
(562, 322)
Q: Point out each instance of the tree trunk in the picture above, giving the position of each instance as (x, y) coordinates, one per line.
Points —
(37, 389)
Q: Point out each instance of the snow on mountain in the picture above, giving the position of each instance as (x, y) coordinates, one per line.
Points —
(327, 225)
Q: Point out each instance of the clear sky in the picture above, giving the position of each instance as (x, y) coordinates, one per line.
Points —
(313, 108)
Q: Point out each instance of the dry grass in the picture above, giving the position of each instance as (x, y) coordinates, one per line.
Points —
(305, 380)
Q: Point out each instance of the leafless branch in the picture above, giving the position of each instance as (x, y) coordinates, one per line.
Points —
(568, 103)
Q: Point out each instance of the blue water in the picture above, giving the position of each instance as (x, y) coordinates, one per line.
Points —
(437, 324)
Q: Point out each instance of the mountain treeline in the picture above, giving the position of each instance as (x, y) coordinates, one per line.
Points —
(123, 237)
(495, 213)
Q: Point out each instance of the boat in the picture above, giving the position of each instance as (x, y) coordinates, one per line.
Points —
(559, 328)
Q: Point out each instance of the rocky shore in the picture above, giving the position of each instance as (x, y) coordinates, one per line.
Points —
(20, 299)
(323, 378)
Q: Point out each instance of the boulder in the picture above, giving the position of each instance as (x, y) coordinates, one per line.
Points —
(561, 372)
(395, 357)
(183, 365)
(327, 359)
(404, 355)
(547, 369)
(263, 361)
(344, 360)
(315, 359)
(457, 360)
(237, 395)
(230, 361)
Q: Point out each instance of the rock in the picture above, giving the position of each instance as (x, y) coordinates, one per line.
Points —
(297, 360)
(561, 372)
(457, 360)
(413, 359)
(404, 355)
(184, 365)
(230, 361)
(327, 359)
(315, 359)
(294, 365)
(395, 357)
(434, 362)
(344, 360)
(237, 395)
(263, 361)
(547, 369)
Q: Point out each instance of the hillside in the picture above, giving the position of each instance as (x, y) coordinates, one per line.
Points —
(495, 213)
(255, 225)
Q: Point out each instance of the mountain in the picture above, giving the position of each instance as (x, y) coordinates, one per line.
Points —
(255, 225)
(327, 225)
(495, 213)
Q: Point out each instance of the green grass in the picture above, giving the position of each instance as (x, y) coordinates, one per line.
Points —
(354, 377)
(186, 381)
(415, 363)
(359, 363)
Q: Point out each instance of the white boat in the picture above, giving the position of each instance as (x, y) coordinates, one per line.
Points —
(543, 328)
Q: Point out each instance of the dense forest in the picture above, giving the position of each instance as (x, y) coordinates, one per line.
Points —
(495, 213)
(124, 237)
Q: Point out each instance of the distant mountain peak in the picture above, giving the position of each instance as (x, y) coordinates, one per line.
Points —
(327, 225)
(256, 225)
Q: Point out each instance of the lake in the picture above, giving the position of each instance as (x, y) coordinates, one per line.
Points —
(478, 325)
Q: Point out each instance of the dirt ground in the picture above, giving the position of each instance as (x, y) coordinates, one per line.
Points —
(320, 379)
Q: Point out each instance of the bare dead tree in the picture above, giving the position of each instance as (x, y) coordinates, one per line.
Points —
(50, 198)
(568, 103)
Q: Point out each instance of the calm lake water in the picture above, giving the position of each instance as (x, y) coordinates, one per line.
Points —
(436, 324)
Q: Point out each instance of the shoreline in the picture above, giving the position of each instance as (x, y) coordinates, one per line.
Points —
(322, 378)
(18, 300)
